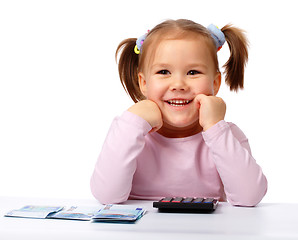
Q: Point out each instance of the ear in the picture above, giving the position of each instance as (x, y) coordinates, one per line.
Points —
(142, 83)
(216, 83)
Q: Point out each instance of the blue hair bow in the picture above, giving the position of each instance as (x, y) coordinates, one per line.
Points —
(139, 43)
(217, 35)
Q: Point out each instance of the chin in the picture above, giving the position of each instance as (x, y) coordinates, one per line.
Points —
(182, 124)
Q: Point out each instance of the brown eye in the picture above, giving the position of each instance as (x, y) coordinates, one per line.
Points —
(193, 72)
(163, 72)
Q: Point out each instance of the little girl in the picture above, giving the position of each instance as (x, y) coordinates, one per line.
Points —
(174, 140)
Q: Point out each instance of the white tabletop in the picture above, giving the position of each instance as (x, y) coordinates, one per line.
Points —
(266, 221)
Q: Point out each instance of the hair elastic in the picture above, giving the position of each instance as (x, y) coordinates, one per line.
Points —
(140, 42)
(217, 35)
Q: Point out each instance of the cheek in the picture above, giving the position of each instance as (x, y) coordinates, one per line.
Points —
(204, 87)
(154, 90)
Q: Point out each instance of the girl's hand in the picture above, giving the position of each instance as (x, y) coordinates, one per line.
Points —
(212, 109)
(149, 111)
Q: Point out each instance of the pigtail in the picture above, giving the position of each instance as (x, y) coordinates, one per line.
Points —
(128, 68)
(234, 67)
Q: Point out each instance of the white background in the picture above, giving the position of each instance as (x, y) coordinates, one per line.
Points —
(59, 86)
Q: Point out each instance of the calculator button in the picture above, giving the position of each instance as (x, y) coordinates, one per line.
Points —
(166, 199)
(177, 199)
(187, 200)
(198, 200)
(208, 200)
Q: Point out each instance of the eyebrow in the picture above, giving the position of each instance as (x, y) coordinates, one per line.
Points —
(165, 65)
(195, 65)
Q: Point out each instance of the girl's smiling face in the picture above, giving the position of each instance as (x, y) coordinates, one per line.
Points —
(179, 71)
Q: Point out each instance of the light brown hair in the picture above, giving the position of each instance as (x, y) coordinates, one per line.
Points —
(130, 63)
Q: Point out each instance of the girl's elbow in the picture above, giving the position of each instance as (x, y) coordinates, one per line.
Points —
(249, 200)
(106, 199)
(256, 198)
(104, 196)
(245, 202)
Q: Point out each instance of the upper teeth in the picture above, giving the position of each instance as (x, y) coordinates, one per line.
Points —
(174, 101)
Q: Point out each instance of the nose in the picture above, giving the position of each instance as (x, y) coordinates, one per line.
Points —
(178, 84)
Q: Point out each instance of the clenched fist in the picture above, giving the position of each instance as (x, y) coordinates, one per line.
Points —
(149, 111)
(212, 109)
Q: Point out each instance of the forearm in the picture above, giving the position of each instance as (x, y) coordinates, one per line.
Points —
(243, 179)
(112, 177)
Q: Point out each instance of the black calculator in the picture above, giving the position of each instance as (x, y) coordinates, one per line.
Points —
(186, 204)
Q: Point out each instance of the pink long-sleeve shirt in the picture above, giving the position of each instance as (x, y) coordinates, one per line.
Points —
(136, 164)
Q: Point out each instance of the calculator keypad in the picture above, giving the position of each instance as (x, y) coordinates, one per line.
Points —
(186, 204)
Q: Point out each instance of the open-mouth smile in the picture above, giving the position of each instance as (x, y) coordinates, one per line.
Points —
(178, 102)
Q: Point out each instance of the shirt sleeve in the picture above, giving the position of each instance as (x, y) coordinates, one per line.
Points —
(243, 179)
(111, 181)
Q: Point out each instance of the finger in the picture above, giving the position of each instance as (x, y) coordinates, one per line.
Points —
(155, 129)
(200, 97)
(152, 130)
